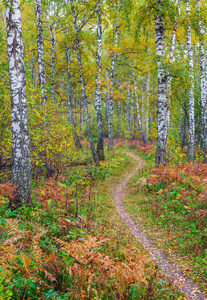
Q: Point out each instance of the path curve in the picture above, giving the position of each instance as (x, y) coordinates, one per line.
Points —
(184, 284)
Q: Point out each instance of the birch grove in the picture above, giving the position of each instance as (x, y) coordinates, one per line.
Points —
(109, 72)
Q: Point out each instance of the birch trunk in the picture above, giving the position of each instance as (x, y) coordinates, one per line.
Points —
(184, 131)
(52, 30)
(119, 121)
(106, 112)
(162, 88)
(69, 95)
(172, 50)
(203, 86)
(180, 124)
(197, 54)
(85, 105)
(134, 122)
(110, 97)
(146, 113)
(137, 106)
(21, 165)
(191, 92)
(40, 49)
(128, 107)
(100, 144)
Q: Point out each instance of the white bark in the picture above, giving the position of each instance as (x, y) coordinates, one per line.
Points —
(172, 50)
(146, 112)
(100, 144)
(128, 107)
(52, 30)
(119, 116)
(69, 95)
(203, 85)
(162, 88)
(137, 105)
(110, 96)
(134, 121)
(40, 49)
(197, 53)
(21, 165)
(85, 105)
(191, 92)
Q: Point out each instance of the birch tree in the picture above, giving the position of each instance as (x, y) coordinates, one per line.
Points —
(128, 107)
(203, 85)
(162, 86)
(100, 144)
(21, 165)
(40, 50)
(69, 96)
(172, 50)
(119, 115)
(52, 30)
(138, 106)
(191, 91)
(146, 112)
(110, 95)
(68, 56)
(85, 105)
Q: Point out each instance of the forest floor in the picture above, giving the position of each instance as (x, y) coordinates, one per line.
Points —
(170, 268)
(75, 244)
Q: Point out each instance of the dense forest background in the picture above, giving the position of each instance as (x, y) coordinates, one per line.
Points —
(118, 64)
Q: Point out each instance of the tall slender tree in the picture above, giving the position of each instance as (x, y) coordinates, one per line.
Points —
(119, 115)
(128, 106)
(40, 50)
(21, 165)
(69, 96)
(52, 30)
(203, 84)
(162, 86)
(146, 112)
(68, 56)
(191, 91)
(138, 106)
(110, 94)
(100, 144)
(77, 42)
(172, 50)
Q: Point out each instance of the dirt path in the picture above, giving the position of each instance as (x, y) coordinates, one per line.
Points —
(184, 284)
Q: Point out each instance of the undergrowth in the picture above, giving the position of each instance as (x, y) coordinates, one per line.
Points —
(70, 244)
(171, 202)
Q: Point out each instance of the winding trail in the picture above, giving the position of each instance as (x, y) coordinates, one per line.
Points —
(173, 272)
